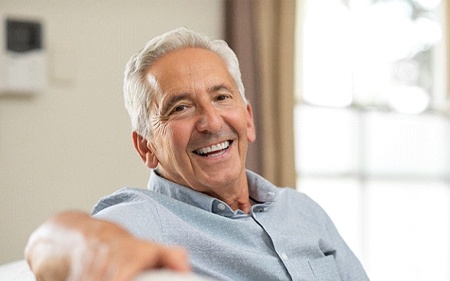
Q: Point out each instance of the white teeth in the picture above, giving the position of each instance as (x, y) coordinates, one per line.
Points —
(213, 148)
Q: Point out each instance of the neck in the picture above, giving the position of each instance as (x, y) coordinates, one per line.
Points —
(243, 206)
(239, 202)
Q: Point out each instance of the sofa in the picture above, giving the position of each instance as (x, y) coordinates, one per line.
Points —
(20, 271)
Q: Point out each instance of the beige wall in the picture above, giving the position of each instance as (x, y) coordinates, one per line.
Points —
(70, 145)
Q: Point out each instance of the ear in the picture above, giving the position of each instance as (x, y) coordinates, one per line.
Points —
(143, 148)
(251, 131)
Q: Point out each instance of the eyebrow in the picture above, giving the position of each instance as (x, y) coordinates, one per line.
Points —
(218, 87)
(172, 101)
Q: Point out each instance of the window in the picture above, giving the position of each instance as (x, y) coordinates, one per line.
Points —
(372, 130)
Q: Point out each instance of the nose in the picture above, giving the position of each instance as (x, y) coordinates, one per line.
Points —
(210, 120)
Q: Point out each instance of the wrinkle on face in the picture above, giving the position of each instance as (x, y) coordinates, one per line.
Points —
(159, 124)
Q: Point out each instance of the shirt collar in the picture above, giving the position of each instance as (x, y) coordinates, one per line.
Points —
(260, 190)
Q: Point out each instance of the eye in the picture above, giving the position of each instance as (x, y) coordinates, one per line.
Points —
(179, 108)
(222, 97)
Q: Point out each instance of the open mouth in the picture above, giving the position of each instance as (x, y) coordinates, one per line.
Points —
(213, 149)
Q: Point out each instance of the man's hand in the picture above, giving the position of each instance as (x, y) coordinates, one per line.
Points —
(76, 247)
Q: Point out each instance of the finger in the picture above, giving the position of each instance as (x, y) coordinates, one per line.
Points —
(175, 259)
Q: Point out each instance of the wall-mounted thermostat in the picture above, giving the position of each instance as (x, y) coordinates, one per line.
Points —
(22, 56)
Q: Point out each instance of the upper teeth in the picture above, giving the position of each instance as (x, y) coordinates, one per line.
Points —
(213, 148)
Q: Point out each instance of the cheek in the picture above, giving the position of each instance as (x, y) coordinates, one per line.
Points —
(176, 136)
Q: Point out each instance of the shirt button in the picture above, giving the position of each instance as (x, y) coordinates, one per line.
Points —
(221, 206)
(284, 256)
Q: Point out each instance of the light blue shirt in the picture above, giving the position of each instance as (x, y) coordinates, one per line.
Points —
(286, 235)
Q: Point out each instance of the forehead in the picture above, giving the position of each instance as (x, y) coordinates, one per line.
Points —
(189, 66)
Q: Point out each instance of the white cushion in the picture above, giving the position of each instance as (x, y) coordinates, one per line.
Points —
(167, 275)
(16, 271)
(20, 271)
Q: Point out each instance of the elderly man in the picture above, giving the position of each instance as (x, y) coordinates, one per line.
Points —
(191, 126)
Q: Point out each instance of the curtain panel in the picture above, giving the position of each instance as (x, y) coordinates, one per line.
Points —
(261, 32)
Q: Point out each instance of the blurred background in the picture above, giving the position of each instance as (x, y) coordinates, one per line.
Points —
(350, 96)
(68, 145)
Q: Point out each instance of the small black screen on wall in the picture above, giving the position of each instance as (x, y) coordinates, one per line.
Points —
(23, 36)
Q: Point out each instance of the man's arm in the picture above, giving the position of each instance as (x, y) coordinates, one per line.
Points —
(74, 246)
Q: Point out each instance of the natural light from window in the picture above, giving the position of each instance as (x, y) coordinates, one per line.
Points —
(372, 130)
(370, 54)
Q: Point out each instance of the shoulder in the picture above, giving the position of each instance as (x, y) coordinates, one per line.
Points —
(287, 194)
(135, 209)
(286, 198)
(300, 203)
(123, 196)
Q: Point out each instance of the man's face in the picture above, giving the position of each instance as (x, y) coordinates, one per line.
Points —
(200, 124)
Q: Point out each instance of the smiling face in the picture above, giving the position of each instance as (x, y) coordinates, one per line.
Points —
(200, 124)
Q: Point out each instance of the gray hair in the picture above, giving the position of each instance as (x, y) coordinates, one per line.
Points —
(139, 89)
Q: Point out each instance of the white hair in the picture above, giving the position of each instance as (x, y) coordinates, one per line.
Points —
(139, 88)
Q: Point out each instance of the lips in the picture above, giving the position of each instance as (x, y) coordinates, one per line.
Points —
(213, 149)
